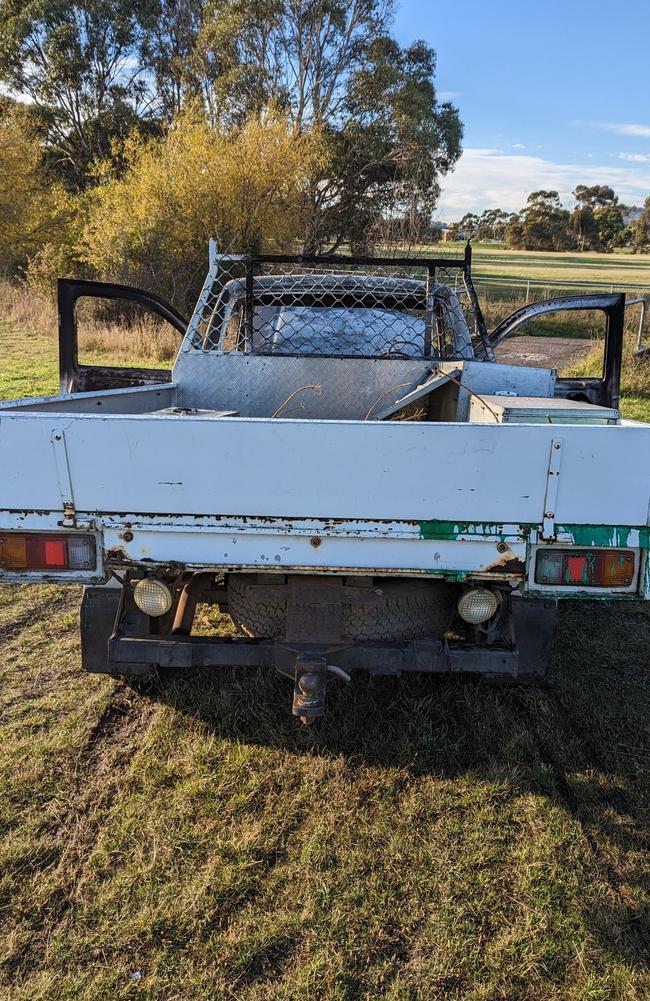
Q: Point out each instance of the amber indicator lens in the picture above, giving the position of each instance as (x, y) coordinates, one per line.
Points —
(38, 551)
(585, 567)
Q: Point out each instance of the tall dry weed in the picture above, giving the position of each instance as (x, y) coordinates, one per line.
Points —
(131, 339)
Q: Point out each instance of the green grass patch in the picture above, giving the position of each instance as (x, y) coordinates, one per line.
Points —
(617, 270)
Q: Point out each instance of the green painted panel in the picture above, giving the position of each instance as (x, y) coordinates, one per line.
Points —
(601, 536)
(605, 536)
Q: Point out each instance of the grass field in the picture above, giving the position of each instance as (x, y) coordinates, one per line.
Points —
(623, 271)
(433, 839)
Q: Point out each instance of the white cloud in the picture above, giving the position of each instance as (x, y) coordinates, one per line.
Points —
(631, 130)
(488, 178)
(635, 157)
(518, 146)
(620, 128)
(448, 95)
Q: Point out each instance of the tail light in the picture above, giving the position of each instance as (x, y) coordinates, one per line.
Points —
(38, 551)
(585, 568)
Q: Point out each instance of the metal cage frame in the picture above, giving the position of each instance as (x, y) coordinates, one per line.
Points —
(260, 280)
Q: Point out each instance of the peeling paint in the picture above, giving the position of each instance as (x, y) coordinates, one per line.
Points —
(116, 554)
(508, 564)
(453, 576)
(599, 536)
(592, 595)
(436, 529)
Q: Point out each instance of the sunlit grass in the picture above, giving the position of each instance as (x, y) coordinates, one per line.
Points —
(433, 838)
(29, 345)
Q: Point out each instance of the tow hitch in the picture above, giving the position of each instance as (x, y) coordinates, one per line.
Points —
(310, 686)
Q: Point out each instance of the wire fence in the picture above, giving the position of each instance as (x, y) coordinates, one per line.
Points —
(511, 289)
(531, 289)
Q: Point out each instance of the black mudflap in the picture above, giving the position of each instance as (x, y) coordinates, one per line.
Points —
(534, 622)
(99, 609)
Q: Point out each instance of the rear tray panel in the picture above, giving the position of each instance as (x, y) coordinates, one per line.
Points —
(399, 471)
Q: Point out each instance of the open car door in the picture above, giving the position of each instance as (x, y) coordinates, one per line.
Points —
(604, 391)
(76, 377)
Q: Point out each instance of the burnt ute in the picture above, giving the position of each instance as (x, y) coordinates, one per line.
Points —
(338, 461)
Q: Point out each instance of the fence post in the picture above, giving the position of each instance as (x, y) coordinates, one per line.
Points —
(527, 291)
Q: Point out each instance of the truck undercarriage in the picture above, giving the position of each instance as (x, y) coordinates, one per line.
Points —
(316, 635)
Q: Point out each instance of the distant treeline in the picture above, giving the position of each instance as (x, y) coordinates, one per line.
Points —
(598, 221)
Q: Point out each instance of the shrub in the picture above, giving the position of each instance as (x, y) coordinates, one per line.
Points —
(151, 226)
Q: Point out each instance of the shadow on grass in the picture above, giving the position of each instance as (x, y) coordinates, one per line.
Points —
(441, 724)
(581, 741)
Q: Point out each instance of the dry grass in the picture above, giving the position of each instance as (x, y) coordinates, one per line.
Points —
(23, 308)
(434, 839)
(140, 339)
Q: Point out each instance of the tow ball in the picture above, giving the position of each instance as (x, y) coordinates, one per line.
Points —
(310, 686)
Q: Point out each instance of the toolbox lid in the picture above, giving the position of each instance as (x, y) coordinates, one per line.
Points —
(525, 409)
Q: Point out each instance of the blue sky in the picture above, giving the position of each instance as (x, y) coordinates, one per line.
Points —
(552, 94)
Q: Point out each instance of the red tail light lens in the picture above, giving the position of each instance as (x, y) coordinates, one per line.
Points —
(38, 551)
(585, 568)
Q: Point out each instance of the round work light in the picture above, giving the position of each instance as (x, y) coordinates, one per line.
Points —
(477, 605)
(152, 596)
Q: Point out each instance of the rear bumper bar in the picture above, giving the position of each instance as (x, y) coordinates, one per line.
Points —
(429, 656)
(110, 645)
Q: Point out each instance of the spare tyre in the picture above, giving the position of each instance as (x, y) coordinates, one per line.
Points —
(407, 610)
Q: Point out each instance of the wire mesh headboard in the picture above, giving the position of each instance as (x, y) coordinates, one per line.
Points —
(339, 306)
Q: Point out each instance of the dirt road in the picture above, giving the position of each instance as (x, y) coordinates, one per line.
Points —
(554, 352)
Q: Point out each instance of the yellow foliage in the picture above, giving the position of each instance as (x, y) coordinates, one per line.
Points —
(25, 199)
(246, 188)
(57, 257)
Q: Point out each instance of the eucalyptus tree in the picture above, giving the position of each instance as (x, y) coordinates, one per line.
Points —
(332, 66)
(78, 65)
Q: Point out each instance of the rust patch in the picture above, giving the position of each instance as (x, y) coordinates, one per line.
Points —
(116, 553)
(509, 563)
